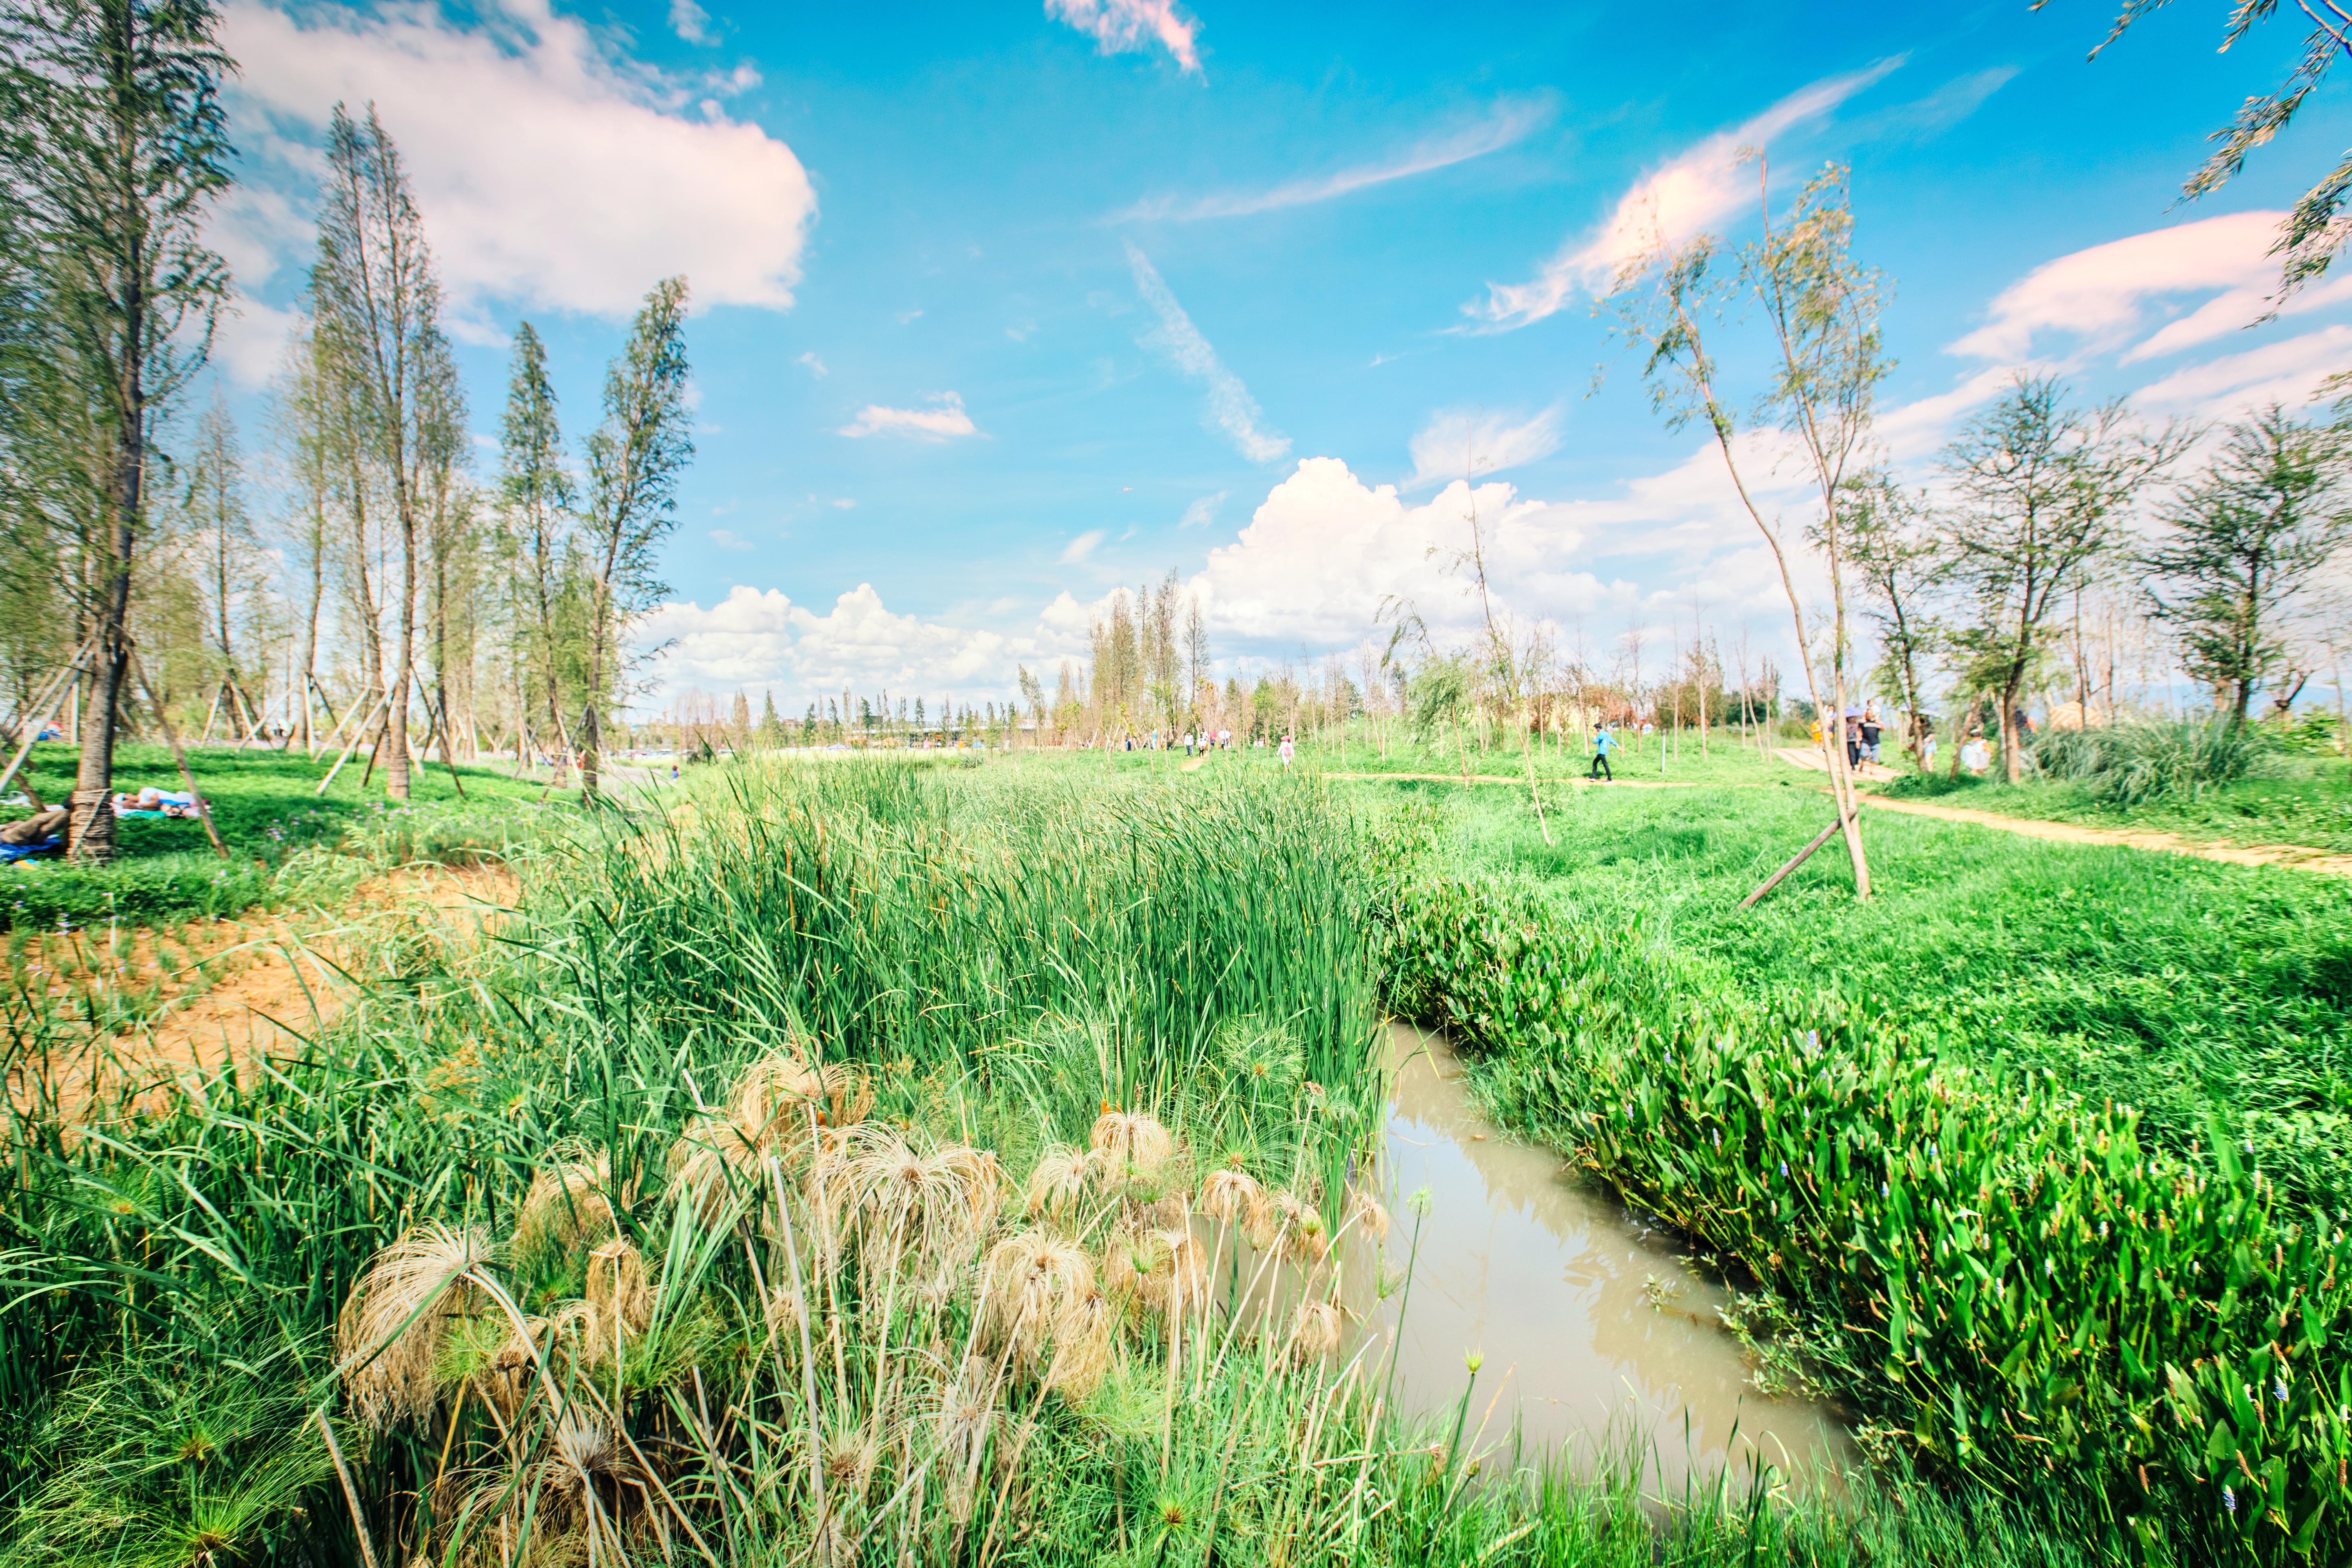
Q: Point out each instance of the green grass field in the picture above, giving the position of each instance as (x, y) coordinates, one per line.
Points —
(2198, 992)
(267, 806)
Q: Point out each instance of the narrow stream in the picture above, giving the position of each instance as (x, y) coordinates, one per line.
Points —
(1594, 1335)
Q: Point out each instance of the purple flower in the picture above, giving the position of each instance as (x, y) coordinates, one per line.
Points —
(2229, 1500)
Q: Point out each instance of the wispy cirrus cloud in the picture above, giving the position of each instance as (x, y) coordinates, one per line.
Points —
(1507, 122)
(1460, 443)
(1702, 186)
(2102, 296)
(1231, 407)
(1120, 26)
(942, 418)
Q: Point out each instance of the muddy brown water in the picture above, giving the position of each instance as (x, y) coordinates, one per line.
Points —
(1593, 1334)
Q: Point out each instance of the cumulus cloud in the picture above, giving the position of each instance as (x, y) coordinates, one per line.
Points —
(2103, 296)
(1461, 441)
(1701, 187)
(757, 638)
(550, 174)
(1119, 26)
(1231, 407)
(943, 419)
(816, 367)
(1506, 122)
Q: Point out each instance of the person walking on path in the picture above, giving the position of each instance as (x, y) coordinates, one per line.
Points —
(1870, 733)
(1603, 742)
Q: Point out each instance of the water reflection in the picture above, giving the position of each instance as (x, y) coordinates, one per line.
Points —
(1590, 1331)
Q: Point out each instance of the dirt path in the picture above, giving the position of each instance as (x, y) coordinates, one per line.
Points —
(1813, 762)
(2295, 855)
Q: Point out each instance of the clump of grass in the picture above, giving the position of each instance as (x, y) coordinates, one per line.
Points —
(2134, 763)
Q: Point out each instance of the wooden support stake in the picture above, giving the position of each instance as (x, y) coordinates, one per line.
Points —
(204, 812)
(38, 712)
(1799, 858)
(349, 748)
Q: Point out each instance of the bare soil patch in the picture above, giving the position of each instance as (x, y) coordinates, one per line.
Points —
(165, 1008)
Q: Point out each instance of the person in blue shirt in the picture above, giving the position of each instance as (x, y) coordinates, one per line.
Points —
(1603, 742)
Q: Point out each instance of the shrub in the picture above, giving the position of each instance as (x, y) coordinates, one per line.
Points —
(2132, 764)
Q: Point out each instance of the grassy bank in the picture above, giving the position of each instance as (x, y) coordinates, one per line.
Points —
(852, 1167)
(1893, 1122)
(268, 811)
(2194, 992)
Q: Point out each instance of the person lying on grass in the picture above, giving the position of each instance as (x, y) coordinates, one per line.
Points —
(153, 802)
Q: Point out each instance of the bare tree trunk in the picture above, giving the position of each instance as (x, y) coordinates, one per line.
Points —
(395, 767)
(90, 831)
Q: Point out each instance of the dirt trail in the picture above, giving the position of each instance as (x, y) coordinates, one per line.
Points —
(1813, 762)
(2295, 855)
(267, 988)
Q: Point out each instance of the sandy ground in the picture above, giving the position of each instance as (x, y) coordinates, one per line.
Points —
(251, 988)
(1813, 762)
(2296, 855)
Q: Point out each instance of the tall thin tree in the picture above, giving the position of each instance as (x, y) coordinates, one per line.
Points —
(376, 300)
(116, 148)
(2241, 539)
(536, 493)
(635, 459)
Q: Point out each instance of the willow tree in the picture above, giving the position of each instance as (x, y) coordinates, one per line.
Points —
(1819, 387)
(635, 459)
(116, 147)
(376, 301)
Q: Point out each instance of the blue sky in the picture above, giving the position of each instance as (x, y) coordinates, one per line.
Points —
(1002, 306)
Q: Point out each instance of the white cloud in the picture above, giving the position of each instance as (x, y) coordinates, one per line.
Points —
(2103, 295)
(757, 638)
(726, 540)
(1082, 546)
(944, 418)
(1324, 549)
(1701, 187)
(816, 365)
(1119, 27)
(1458, 441)
(2285, 372)
(690, 22)
(550, 173)
(1231, 407)
(1202, 511)
(250, 342)
(1506, 122)
(844, 503)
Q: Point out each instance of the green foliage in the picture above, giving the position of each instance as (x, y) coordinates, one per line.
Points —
(280, 833)
(2037, 1295)
(2131, 765)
